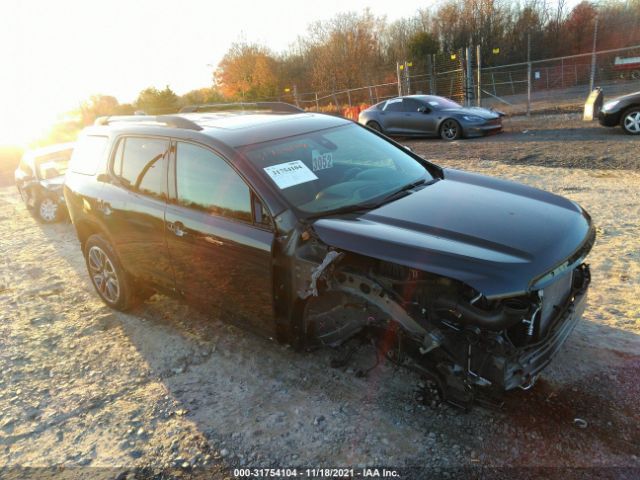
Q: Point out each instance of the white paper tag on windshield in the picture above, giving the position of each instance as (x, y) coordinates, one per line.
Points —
(288, 174)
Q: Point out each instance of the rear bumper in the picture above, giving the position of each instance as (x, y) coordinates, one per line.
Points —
(522, 368)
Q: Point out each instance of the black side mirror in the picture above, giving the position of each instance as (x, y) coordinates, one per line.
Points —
(423, 109)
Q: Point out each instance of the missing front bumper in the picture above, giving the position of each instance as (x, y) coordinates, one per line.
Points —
(523, 367)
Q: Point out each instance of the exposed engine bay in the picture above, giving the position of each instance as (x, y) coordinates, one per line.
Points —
(472, 347)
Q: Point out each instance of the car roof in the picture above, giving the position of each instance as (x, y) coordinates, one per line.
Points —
(233, 128)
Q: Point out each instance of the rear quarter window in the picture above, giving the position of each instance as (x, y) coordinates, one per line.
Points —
(88, 154)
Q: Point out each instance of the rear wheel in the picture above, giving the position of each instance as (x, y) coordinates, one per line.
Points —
(112, 283)
(631, 121)
(375, 126)
(450, 130)
(48, 210)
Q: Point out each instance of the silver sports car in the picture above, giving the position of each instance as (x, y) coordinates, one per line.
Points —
(430, 116)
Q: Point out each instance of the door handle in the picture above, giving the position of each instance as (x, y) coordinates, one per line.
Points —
(177, 228)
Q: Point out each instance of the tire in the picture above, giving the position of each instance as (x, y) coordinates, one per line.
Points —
(450, 130)
(630, 121)
(375, 126)
(48, 210)
(111, 281)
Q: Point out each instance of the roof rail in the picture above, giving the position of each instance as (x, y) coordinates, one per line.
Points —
(281, 107)
(173, 121)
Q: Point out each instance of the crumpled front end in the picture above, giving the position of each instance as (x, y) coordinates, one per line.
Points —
(472, 347)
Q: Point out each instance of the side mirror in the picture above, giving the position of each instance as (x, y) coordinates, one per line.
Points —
(104, 178)
(423, 109)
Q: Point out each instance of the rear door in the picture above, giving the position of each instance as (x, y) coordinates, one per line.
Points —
(392, 116)
(133, 203)
(219, 238)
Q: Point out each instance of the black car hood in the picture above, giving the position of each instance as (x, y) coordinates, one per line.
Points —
(497, 236)
(477, 111)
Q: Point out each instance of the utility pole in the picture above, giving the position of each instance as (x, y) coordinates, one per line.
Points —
(592, 79)
(528, 74)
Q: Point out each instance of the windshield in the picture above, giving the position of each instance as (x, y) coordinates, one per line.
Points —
(54, 165)
(440, 103)
(335, 168)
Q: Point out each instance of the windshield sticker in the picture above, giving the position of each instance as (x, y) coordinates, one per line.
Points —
(322, 161)
(288, 174)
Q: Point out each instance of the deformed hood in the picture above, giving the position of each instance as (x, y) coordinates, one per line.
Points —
(494, 235)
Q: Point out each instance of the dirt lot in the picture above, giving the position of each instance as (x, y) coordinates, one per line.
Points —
(165, 387)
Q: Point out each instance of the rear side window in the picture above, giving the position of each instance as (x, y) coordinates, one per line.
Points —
(87, 154)
(393, 106)
(139, 164)
(206, 182)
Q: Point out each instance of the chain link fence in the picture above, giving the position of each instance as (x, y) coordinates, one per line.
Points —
(561, 83)
(555, 84)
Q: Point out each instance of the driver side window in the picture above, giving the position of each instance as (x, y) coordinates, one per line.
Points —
(411, 106)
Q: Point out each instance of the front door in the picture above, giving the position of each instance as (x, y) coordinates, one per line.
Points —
(221, 255)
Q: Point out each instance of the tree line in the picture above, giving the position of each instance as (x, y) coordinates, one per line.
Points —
(356, 49)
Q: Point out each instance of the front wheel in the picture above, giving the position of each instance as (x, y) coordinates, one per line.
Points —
(109, 279)
(48, 210)
(450, 130)
(631, 121)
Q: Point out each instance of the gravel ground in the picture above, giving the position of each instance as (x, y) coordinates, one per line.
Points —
(88, 392)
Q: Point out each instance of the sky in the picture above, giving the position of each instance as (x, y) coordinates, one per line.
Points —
(56, 53)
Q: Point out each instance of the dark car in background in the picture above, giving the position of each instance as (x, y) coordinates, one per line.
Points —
(313, 229)
(40, 177)
(623, 111)
(430, 116)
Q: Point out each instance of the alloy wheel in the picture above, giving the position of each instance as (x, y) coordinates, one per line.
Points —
(632, 122)
(450, 129)
(103, 274)
(48, 210)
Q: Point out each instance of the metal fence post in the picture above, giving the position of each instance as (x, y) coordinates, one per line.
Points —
(528, 74)
(317, 103)
(399, 79)
(479, 77)
(349, 96)
(592, 78)
(468, 80)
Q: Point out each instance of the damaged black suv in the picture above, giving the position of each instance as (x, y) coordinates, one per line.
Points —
(312, 229)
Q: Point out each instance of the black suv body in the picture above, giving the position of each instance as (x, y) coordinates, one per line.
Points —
(312, 229)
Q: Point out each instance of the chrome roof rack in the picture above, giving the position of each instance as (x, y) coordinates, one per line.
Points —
(276, 107)
(174, 121)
